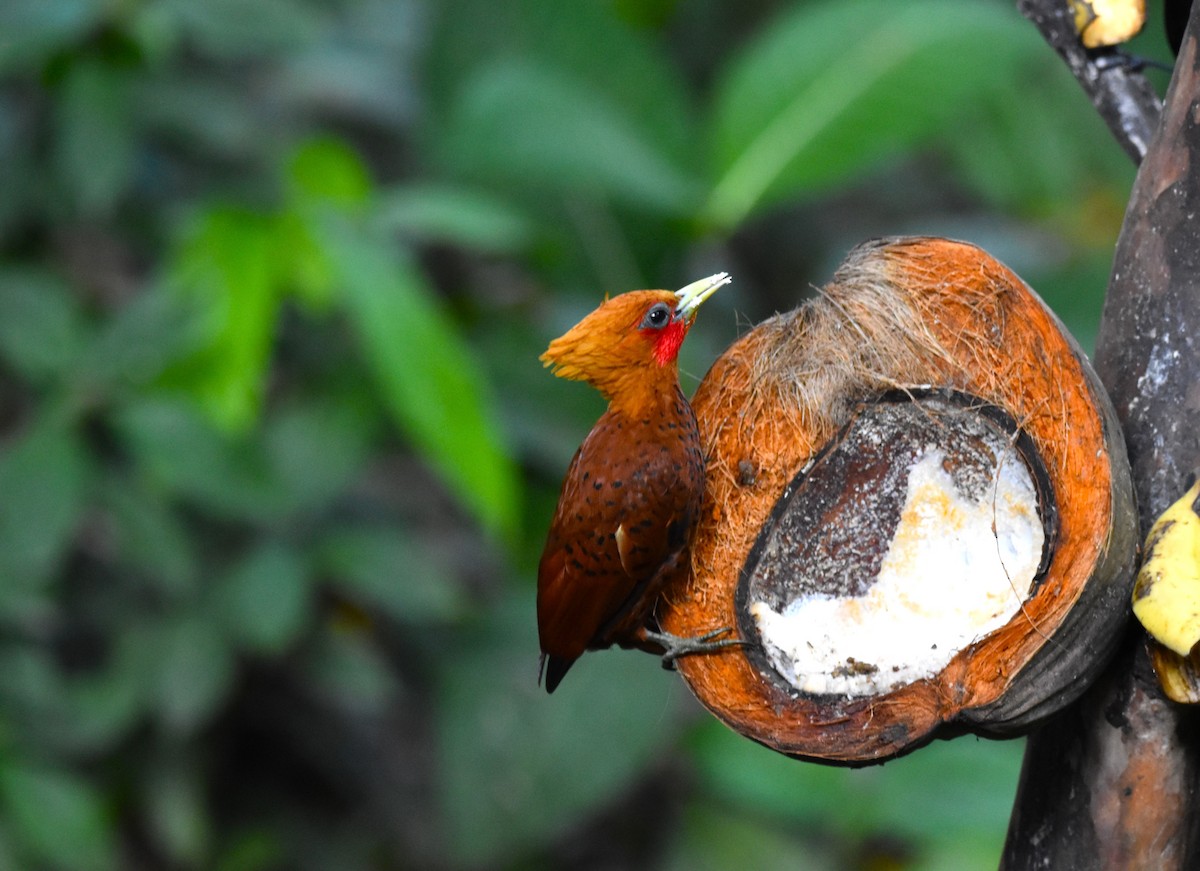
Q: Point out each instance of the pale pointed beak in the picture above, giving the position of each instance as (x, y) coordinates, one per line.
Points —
(697, 292)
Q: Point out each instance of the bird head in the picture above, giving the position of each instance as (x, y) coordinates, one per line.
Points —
(629, 336)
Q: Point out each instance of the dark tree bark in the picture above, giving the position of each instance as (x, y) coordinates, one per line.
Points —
(1112, 782)
(1115, 86)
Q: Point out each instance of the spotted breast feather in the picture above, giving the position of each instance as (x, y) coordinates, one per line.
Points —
(628, 500)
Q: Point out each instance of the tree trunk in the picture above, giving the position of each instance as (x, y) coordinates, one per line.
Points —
(1111, 783)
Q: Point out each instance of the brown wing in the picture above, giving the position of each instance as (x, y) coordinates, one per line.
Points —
(628, 499)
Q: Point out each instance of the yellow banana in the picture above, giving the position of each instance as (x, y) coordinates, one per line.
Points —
(1179, 676)
(1107, 22)
(1166, 595)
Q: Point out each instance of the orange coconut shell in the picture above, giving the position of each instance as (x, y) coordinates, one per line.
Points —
(909, 313)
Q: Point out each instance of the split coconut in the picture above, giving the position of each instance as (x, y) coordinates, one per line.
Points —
(918, 516)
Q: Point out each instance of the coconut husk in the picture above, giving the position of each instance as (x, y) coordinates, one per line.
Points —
(909, 314)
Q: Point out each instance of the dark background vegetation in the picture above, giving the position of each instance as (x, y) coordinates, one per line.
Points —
(276, 453)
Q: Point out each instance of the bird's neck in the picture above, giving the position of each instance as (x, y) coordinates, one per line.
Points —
(645, 391)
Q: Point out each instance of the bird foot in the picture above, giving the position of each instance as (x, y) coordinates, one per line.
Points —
(675, 646)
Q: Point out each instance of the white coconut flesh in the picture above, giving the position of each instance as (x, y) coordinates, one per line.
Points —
(959, 566)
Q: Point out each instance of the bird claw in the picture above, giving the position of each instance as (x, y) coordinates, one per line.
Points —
(675, 646)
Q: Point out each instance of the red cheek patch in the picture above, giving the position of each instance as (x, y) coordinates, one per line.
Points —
(669, 340)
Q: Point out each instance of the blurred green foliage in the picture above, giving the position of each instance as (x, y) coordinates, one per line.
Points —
(276, 453)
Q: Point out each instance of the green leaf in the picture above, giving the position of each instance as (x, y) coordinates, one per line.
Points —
(195, 673)
(521, 124)
(266, 599)
(176, 808)
(976, 781)
(231, 267)
(142, 338)
(348, 667)
(8, 856)
(57, 817)
(710, 837)
(210, 112)
(94, 146)
(1033, 155)
(230, 29)
(321, 173)
(177, 448)
(764, 782)
(21, 173)
(32, 696)
(258, 850)
(520, 767)
(104, 708)
(43, 479)
(588, 42)
(429, 379)
(455, 215)
(386, 568)
(41, 325)
(317, 449)
(327, 170)
(108, 703)
(830, 89)
(34, 28)
(367, 74)
(149, 538)
(308, 275)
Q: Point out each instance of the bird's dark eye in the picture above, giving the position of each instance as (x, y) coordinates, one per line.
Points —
(658, 317)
